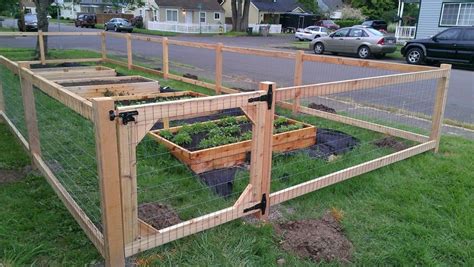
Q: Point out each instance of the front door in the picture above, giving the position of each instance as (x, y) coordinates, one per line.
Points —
(354, 40)
(189, 17)
(336, 42)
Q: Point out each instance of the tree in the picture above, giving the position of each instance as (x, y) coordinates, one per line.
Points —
(377, 9)
(310, 6)
(9, 7)
(240, 14)
(42, 7)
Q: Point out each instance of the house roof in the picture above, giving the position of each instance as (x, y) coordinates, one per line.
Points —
(277, 6)
(330, 5)
(188, 4)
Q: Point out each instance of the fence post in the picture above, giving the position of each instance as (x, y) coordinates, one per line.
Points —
(165, 58)
(103, 46)
(129, 51)
(29, 106)
(41, 47)
(298, 78)
(2, 100)
(219, 68)
(261, 155)
(439, 107)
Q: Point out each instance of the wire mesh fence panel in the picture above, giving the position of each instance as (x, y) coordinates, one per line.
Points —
(319, 72)
(245, 72)
(193, 63)
(67, 47)
(356, 127)
(147, 54)
(18, 47)
(12, 99)
(116, 48)
(68, 148)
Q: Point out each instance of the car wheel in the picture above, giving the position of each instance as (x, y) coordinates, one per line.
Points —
(116, 29)
(301, 39)
(130, 31)
(317, 36)
(363, 52)
(415, 56)
(318, 48)
(106, 28)
(379, 56)
(335, 53)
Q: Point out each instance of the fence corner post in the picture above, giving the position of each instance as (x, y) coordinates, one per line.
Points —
(165, 58)
(129, 51)
(298, 78)
(440, 105)
(29, 105)
(219, 68)
(103, 46)
(41, 47)
(2, 99)
(262, 147)
(109, 176)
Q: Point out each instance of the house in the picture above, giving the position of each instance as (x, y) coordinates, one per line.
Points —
(437, 15)
(149, 11)
(265, 11)
(203, 16)
(71, 8)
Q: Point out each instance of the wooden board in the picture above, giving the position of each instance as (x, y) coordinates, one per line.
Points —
(234, 154)
(75, 72)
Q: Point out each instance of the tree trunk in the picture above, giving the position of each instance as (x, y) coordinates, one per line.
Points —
(244, 22)
(43, 23)
(233, 4)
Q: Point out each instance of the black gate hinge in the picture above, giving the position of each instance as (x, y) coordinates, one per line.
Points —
(265, 98)
(262, 206)
(126, 117)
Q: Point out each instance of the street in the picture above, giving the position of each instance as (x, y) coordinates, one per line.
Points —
(243, 71)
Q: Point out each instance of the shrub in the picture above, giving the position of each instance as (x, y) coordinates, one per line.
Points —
(348, 22)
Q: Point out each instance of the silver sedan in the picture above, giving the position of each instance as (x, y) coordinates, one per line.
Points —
(363, 42)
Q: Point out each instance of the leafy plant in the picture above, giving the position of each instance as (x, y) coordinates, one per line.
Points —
(166, 134)
(182, 138)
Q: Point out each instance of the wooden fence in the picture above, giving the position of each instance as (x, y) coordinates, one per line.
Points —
(119, 236)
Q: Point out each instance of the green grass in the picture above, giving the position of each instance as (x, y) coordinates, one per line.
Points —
(145, 31)
(8, 29)
(415, 212)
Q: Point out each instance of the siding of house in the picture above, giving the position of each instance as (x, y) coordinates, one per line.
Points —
(182, 16)
(430, 12)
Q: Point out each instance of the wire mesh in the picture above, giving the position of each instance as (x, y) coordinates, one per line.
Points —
(13, 99)
(116, 48)
(68, 148)
(147, 54)
(197, 63)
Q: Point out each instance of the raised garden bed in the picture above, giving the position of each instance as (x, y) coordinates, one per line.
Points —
(75, 72)
(128, 100)
(111, 86)
(225, 143)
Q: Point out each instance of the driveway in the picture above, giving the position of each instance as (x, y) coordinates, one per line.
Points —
(243, 71)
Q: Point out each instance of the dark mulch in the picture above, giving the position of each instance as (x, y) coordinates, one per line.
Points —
(321, 107)
(62, 65)
(391, 142)
(146, 100)
(158, 215)
(102, 82)
(190, 76)
(321, 240)
(220, 181)
(8, 176)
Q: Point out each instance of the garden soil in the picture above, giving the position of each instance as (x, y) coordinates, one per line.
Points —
(158, 215)
(8, 176)
(321, 107)
(391, 142)
(320, 240)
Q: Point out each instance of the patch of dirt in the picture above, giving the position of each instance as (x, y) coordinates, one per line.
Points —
(8, 176)
(62, 65)
(102, 82)
(321, 240)
(220, 181)
(277, 215)
(321, 107)
(391, 142)
(190, 76)
(158, 215)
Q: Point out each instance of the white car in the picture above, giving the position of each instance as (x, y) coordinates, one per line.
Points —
(310, 33)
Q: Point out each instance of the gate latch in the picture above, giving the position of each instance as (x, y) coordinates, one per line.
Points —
(265, 98)
(126, 117)
(260, 206)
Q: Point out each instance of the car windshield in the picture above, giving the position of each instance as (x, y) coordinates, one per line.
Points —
(366, 23)
(31, 17)
(375, 32)
(122, 20)
(328, 22)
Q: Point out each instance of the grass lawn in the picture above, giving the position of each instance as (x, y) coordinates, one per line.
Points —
(144, 31)
(414, 212)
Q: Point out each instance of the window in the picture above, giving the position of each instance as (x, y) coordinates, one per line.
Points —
(468, 35)
(357, 33)
(155, 15)
(202, 17)
(457, 14)
(217, 16)
(451, 34)
(341, 33)
(172, 15)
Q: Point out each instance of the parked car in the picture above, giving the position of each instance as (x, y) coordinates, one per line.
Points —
(311, 32)
(364, 42)
(31, 23)
(454, 45)
(379, 25)
(118, 25)
(85, 20)
(328, 24)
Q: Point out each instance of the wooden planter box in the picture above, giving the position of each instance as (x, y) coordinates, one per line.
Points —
(121, 85)
(236, 153)
(75, 72)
